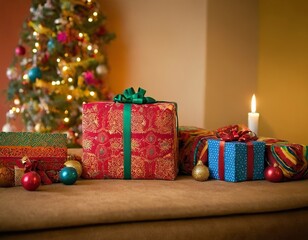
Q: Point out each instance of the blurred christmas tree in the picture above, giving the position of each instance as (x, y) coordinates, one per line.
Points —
(59, 64)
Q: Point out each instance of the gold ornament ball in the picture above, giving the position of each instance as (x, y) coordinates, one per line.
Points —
(39, 127)
(6, 177)
(200, 172)
(101, 70)
(75, 164)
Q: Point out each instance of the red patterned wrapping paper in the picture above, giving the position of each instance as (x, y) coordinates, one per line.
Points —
(50, 152)
(193, 146)
(154, 146)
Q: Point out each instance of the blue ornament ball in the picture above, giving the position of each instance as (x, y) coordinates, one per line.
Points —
(34, 73)
(51, 45)
(68, 175)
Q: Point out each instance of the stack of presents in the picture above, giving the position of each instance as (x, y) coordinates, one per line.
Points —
(137, 137)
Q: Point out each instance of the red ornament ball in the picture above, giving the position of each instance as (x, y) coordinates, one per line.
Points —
(273, 174)
(62, 37)
(101, 31)
(31, 181)
(20, 50)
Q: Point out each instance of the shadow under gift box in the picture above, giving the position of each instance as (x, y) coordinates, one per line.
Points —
(48, 149)
(145, 146)
(236, 161)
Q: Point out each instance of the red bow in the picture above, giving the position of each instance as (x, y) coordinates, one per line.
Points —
(33, 165)
(232, 133)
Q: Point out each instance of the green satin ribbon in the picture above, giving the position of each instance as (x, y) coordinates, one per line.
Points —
(130, 96)
(127, 140)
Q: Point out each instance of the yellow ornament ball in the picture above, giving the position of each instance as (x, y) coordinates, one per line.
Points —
(200, 172)
(75, 164)
(39, 127)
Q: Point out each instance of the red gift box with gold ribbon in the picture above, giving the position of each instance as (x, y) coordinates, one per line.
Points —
(132, 138)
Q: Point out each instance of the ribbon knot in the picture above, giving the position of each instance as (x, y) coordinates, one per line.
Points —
(33, 165)
(130, 96)
(232, 133)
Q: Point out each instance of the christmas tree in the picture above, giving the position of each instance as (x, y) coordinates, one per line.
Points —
(59, 63)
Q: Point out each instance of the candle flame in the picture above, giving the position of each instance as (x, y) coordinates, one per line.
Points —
(253, 104)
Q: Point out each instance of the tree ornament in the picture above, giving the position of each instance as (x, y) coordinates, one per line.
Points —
(12, 73)
(35, 105)
(200, 172)
(20, 50)
(68, 175)
(273, 173)
(45, 57)
(61, 21)
(38, 12)
(9, 127)
(34, 73)
(62, 37)
(66, 5)
(31, 181)
(39, 127)
(48, 5)
(74, 164)
(6, 177)
(101, 31)
(51, 45)
(101, 70)
(89, 78)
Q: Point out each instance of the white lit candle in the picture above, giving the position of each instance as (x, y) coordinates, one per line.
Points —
(253, 116)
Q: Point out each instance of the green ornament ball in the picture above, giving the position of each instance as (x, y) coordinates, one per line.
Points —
(68, 175)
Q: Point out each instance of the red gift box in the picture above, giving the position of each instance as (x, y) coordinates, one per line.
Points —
(45, 153)
(193, 146)
(131, 141)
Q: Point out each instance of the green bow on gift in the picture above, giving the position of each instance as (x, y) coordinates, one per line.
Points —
(130, 96)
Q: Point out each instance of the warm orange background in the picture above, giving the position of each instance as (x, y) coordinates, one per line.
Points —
(283, 69)
(209, 56)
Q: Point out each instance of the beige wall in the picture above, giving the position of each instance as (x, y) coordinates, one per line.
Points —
(201, 54)
(161, 47)
(283, 69)
(232, 58)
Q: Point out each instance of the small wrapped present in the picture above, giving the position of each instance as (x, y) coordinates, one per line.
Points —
(41, 152)
(291, 158)
(193, 147)
(132, 138)
(235, 157)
